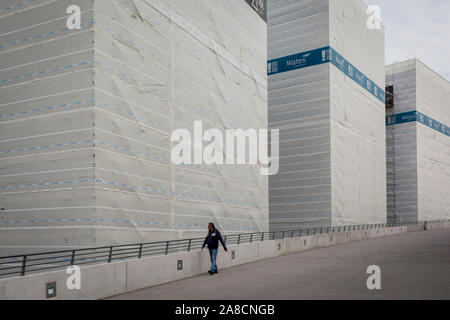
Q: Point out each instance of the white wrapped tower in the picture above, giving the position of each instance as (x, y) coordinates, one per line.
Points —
(418, 143)
(86, 117)
(326, 95)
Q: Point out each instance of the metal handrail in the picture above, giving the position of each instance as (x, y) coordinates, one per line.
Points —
(20, 265)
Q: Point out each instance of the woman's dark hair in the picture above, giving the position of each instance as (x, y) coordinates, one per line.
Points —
(212, 225)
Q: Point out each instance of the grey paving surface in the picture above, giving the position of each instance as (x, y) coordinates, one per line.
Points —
(413, 266)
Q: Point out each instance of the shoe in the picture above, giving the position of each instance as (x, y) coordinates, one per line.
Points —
(210, 272)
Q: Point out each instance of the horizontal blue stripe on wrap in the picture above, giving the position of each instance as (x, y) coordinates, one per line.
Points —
(321, 56)
(416, 116)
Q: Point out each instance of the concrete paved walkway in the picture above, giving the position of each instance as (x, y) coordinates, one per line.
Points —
(413, 266)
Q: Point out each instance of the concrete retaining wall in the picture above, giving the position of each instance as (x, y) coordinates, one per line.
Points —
(105, 280)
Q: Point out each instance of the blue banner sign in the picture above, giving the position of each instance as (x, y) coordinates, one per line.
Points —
(299, 61)
(416, 116)
(321, 56)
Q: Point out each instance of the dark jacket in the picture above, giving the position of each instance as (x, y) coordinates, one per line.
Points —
(212, 240)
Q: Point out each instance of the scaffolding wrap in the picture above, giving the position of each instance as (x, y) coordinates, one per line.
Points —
(326, 95)
(418, 131)
(86, 117)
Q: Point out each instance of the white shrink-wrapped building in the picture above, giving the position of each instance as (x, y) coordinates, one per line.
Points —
(326, 95)
(87, 111)
(418, 143)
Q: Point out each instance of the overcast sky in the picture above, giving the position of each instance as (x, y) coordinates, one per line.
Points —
(417, 29)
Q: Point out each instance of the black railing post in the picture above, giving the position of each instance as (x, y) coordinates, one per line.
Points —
(283, 235)
(262, 237)
(167, 247)
(72, 259)
(24, 265)
(239, 239)
(251, 238)
(140, 251)
(190, 242)
(292, 234)
(110, 254)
